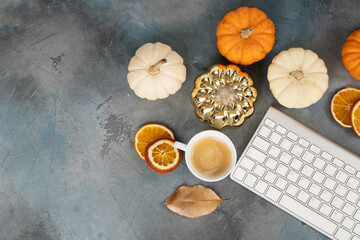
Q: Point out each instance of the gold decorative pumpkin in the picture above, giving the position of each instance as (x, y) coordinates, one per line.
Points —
(224, 96)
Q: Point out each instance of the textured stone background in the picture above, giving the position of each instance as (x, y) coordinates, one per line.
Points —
(67, 115)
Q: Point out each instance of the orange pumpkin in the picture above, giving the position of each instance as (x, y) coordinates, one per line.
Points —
(351, 54)
(222, 67)
(245, 36)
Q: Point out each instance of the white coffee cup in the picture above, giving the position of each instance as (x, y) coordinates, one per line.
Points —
(188, 147)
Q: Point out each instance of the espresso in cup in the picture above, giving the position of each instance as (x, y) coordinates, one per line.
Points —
(211, 157)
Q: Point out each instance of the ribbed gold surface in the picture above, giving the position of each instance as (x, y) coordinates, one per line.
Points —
(223, 97)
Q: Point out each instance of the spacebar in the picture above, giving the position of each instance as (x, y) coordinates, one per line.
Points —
(308, 214)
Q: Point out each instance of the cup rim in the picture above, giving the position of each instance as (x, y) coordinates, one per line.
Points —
(210, 133)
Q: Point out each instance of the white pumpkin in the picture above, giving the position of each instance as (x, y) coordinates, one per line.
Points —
(297, 78)
(156, 71)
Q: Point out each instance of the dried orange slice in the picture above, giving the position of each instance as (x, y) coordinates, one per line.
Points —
(162, 156)
(342, 104)
(355, 118)
(148, 134)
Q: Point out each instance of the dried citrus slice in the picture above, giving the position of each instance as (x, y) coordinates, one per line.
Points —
(162, 156)
(355, 118)
(342, 104)
(148, 134)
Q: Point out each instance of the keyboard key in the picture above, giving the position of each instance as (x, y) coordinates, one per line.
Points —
(280, 129)
(304, 183)
(338, 162)
(319, 163)
(292, 190)
(349, 169)
(307, 214)
(326, 155)
(352, 197)
(326, 195)
(336, 216)
(250, 180)
(341, 176)
(353, 183)
(293, 176)
(247, 163)
(264, 131)
(282, 170)
(271, 163)
(318, 177)
(273, 194)
(292, 136)
(307, 170)
(355, 238)
(275, 138)
(303, 196)
(261, 186)
(259, 170)
(239, 173)
(314, 203)
(340, 190)
(330, 170)
(348, 223)
(297, 150)
(315, 189)
(261, 144)
(308, 157)
(256, 154)
(358, 174)
(315, 149)
(281, 183)
(337, 202)
(348, 209)
(274, 151)
(285, 158)
(286, 144)
(357, 215)
(270, 123)
(357, 229)
(325, 209)
(342, 234)
(329, 184)
(303, 142)
(270, 177)
(296, 164)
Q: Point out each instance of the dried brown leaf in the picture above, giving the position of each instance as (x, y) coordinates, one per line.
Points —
(193, 201)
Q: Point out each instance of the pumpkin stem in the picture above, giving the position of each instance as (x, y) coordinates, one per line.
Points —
(155, 69)
(246, 32)
(297, 74)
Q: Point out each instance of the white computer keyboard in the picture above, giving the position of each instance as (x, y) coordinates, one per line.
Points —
(303, 173)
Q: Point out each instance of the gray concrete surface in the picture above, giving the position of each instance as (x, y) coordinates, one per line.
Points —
(68, 117)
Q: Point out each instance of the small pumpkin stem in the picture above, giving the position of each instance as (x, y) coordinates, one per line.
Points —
(155, 69)
(246, 32)
(297, 74)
